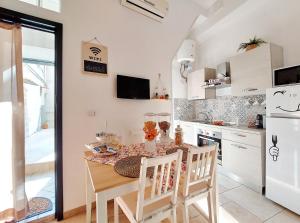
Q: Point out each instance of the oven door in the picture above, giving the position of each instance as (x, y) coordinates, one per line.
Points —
(204, 140)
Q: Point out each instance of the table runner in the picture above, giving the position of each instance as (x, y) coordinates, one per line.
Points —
(132, 150)
(139, 149)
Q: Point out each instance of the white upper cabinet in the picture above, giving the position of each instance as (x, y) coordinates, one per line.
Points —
(196, 82)
(252, 71)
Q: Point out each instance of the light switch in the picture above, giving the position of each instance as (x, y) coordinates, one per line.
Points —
(91, 113)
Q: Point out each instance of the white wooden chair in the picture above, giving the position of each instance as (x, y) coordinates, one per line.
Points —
(199, 181)
(155, 199)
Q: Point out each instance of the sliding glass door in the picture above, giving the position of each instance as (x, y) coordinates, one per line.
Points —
(41, 64)
(39, 101)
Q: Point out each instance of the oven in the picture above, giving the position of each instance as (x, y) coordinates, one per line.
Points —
(209, 137)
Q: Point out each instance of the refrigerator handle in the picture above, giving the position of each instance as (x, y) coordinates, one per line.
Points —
(274, 150)
(284, 115)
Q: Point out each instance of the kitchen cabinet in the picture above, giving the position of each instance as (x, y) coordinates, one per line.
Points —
(243, 151)
(196, 82)
(252, 71)
(241, 137)
(244, 157)
(243, 160)
(189, 133)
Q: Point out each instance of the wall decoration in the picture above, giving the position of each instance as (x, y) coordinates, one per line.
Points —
(94, 58)
(274, 150)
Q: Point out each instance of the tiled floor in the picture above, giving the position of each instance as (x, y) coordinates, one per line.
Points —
(40, 150)
(40, 147)
(237, 204)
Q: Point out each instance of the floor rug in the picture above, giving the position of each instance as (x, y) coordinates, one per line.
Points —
(39, 205)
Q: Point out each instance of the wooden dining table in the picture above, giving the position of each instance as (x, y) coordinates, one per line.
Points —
(104, 182)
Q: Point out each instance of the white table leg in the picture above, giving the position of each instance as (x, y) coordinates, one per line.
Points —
(101, 208)
(89, 197)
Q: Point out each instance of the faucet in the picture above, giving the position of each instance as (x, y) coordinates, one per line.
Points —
(208, 116)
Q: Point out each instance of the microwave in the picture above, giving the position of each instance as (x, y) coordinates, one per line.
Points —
(286, 76)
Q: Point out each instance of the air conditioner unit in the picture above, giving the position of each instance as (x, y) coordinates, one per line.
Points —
(155, 9)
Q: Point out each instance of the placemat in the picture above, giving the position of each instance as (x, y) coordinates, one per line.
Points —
(130, 167)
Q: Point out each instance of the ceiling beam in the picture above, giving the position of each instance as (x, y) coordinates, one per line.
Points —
(219, 13)
(219, 4)
(202, 10)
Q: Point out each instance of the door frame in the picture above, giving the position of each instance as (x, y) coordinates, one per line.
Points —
(28, 21)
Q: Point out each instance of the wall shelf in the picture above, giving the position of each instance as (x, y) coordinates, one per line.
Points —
(157, 99)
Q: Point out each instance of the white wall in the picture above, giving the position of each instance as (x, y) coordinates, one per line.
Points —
(137, 46)
(275, 21)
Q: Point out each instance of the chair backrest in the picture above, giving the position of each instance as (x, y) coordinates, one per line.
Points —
(164, 183)
(201, 167)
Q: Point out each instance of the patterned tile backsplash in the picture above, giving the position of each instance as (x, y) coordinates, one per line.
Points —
(227, 108)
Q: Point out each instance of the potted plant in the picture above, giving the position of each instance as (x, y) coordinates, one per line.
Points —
(252, 44)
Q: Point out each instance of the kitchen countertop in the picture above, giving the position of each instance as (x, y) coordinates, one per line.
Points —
(230, 127)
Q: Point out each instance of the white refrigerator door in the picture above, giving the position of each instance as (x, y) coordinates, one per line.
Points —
(283, 162)
(284, 101)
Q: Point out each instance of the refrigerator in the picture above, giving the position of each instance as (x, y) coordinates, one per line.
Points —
(283, 146)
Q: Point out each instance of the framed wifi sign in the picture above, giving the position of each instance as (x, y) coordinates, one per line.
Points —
(94, 58)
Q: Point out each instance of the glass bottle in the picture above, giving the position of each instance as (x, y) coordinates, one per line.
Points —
(178, 136)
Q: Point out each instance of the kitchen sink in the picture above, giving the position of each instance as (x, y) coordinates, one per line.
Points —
(202, 122)
(210, 123)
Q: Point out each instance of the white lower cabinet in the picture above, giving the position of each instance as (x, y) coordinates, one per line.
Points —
(241, 137)
(243, 152)
(244, 161)
(189, 133)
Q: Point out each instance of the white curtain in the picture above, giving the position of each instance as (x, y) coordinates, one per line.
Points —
(13, 201)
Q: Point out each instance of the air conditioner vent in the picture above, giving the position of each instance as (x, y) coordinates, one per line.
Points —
(155, 9)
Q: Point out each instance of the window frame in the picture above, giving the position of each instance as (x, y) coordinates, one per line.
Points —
(39, 3)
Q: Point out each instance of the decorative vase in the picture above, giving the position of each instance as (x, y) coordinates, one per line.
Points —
(45, 125)
(150, 146)
(251, 47)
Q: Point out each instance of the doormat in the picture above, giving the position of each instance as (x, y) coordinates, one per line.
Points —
(39, 205)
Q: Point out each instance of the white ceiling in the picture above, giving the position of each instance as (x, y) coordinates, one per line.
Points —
(212, 11)
(205, 4)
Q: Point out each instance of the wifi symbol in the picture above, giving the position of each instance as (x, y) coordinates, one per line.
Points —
(95, 50)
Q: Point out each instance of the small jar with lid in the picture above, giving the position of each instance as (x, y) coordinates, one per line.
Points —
(150, 131)
(164, 123)
(178, 136)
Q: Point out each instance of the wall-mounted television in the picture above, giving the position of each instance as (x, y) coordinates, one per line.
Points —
(133, 87)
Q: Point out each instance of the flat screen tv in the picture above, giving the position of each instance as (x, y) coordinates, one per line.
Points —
(132, 87)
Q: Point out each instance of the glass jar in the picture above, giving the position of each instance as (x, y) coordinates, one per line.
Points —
(178, 136)
(164, 123)
(150, 131)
